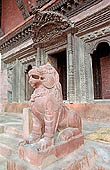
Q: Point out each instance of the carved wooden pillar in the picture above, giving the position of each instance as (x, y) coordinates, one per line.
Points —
(43, 56)
(38, 57)
(0, 61)
(18, 82)
(88, 74)
(21, 83)
(79, 71)
(15, 82)
(83, 79)
(82, 76)
(70, 69)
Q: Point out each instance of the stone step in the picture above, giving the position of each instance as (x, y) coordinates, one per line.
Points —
(100, 164)
(8, 147)
(8, 144)
(82, 159)
(10, 117)
(6, 151)
(10, 136)
(10, 129)
(15, 163)
(3, 163)
(11, 124)
(13, 131)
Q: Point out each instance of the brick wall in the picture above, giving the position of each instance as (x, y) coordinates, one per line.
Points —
(105, 72)
(11, 15)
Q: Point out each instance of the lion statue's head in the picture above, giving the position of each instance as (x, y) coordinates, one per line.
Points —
(45, 80)
(45, 75)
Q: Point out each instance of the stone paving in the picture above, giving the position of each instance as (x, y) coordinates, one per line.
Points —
(11, 135)
(3, 162)
(102, 149)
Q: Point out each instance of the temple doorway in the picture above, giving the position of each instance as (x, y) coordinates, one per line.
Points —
(58, 60)
(28, 89)
(101, 71)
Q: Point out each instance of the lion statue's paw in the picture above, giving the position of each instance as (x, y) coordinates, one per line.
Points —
(32, 139)
(68, 133)
(44, 143)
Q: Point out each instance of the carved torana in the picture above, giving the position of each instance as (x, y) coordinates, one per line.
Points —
(50, 27)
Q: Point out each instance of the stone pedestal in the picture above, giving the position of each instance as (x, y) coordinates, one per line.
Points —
(45, 158)
(83, 158)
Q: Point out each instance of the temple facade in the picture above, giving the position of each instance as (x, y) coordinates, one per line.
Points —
(81, 54)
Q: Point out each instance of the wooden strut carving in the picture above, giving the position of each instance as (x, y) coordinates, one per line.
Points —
(49, 27)
(23, 9)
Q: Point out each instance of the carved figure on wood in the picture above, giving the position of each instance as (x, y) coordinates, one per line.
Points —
(51, 117)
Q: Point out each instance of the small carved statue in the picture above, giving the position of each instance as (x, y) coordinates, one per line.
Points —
(50, 115)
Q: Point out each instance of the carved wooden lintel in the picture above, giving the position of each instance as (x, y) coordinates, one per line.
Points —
(16, 38)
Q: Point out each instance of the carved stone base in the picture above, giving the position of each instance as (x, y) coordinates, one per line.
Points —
(42, 159)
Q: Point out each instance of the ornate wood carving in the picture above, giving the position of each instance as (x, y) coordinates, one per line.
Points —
(70, 69)
(88, 74)
(96, 35)
(23, 9)
(84, 26)
(10, 76)
(72, 7)
(28, 60)
(49, 28)
(82, 71)
(1, 32)
(41, 3)
(93, 44)
(57, 45)
(97, 20)
(16, 38)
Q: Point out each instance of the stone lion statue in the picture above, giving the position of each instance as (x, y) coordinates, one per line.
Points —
(50, 115)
